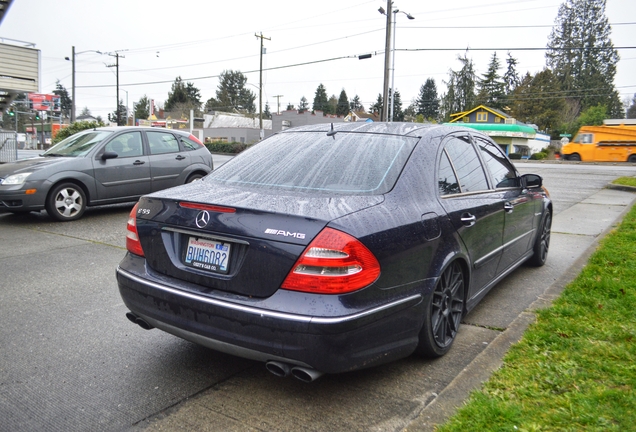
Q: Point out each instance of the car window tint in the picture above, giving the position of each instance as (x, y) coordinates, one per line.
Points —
(345, 163)
(188, 144)
(162, 142)
(126, 145)
(502, 172)
(467, 165)
(446, 179)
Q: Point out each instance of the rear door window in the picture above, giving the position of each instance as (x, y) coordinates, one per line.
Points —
(466, 163)
(162, 142)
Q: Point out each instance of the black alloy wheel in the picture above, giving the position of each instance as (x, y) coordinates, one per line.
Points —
(443, 313)
(542, 242)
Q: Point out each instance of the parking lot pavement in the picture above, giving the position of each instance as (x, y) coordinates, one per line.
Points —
(411, 396)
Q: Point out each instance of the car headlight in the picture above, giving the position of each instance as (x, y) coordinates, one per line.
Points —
(15, 179)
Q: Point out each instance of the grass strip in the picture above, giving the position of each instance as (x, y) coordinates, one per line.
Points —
(575, 367)
(625, 181)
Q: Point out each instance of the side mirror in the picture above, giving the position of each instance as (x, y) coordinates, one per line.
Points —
(531, 181)
(109, 155)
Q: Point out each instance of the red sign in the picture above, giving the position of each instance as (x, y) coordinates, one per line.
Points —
(44, 102)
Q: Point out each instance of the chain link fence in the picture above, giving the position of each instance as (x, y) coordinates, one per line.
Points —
(8, 146)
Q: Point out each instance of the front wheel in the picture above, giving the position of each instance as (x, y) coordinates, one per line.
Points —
(632, 158)
(574, 157)
(542, 242)
(66, 202)
(443, 314)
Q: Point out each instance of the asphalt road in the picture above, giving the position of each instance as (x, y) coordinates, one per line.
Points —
(70, 360)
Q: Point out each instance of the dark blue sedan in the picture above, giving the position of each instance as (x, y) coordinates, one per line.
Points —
(330, 248)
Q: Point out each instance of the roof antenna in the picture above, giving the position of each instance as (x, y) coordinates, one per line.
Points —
(332, 133)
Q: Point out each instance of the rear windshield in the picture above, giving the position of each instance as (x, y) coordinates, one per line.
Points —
(346, 163)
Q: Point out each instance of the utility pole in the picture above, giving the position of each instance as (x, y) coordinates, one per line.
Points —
(116, 65)
(278, 103)
(387, 58)
(260, 87)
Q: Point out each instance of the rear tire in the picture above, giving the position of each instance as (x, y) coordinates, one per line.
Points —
(66, 202)
(632, 158)
(542, 242)
(443, 314)
(194, 177)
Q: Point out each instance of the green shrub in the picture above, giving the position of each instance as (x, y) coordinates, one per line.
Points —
(75, 128)
(514, 155)
(539, 156)
(225, 147)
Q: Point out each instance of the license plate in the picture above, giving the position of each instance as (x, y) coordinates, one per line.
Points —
(207, 254)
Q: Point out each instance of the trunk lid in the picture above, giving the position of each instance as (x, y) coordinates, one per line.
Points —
(263, 233)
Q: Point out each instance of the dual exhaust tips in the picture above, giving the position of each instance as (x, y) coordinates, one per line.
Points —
(279, 369)
(282, 370)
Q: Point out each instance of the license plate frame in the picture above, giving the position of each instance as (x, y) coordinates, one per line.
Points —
(207, 254)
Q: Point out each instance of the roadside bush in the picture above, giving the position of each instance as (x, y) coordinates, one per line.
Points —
(225, 147)
(539, 156)
(514, 155)
(73, 129)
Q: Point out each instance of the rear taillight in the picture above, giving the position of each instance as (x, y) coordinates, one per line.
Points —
(333, 263)
(132, 236)
(196, 140)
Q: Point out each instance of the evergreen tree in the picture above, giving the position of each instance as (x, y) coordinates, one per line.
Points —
(582, 55)
(290, 107)
(534, 101)
(122, 115)
(65, 100)
(303, 105)
(427, 102)
(178, 95)
(343, 104)
(142, 108)
(460, 95)
(232, 95)
(266, 112)
(355, 105)
(511, 77)
(332, 105)
(398, 114)
(321, 101)
(377, 106)
(491, 86)
(631, 111)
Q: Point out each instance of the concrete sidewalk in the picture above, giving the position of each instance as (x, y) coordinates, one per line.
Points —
(588, 222)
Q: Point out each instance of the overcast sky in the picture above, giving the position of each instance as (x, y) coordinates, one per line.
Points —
(197, 40)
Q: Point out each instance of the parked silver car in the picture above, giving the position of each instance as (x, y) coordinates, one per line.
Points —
(102, 166)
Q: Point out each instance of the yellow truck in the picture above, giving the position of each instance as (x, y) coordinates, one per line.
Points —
(614, 141)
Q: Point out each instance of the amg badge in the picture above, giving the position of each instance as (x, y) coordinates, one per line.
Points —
(284, 233)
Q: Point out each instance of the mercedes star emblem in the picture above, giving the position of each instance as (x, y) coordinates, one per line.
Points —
(202, 219)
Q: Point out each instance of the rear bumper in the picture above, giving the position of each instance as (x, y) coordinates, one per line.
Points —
(329, 344)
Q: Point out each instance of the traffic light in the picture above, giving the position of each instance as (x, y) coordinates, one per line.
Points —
(37, 115)
(11, 112)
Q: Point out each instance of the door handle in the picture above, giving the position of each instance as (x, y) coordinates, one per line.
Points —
(468, 219)
(138, 162)
(179, 157)
(508, 208)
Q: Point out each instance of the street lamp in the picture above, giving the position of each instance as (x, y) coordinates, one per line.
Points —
(409, 16)
(72, 60)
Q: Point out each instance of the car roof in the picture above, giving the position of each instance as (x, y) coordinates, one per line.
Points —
(392, 128)
(138, 128)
